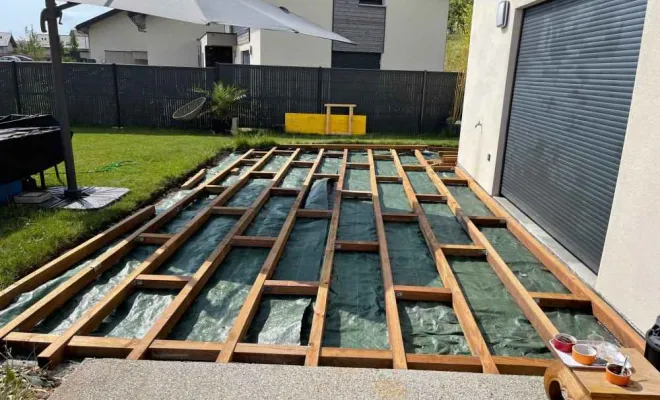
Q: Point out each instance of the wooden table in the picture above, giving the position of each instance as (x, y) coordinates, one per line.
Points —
(582, 384)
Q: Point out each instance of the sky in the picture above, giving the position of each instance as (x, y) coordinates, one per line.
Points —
(17, 14)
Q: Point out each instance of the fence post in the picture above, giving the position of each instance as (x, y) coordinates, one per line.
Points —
(117, 103)
(423, 103)
(19, 107)
(320, 90)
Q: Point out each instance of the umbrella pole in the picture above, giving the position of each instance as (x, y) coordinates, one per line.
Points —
(51, 13)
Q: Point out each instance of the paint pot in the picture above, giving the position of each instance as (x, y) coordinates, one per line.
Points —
(564, 342)
(617, 375)
(584, 354)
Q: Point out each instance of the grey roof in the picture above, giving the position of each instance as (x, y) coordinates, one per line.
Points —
(6, 38)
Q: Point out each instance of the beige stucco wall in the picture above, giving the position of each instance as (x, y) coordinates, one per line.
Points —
(175, 43)
(415, 35)
(629, 275)
(116, 33)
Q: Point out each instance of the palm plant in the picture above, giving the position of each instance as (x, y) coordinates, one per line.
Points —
(222, 99)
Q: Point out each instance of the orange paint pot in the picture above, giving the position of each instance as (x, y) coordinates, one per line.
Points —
(583, 354)
(613, 374)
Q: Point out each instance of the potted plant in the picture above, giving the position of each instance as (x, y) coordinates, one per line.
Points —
(222, 100)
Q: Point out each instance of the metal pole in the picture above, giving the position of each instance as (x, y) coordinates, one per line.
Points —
(59, 98)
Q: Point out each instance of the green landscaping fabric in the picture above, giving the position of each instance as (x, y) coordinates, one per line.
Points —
(308, 156)
(224, 163)
(271, 217)
(213, 312)
(431, 328)
(248, 194)
(357, 179)
(534, 276)
(275, 163)
(358, 157)
(470, 204)
(295, 178)
(330, 165)
(445, 226)
(283, 320)
(504, 327)
(422, 183)
(385, 168)
(408, 158)
(134, 317)
(168, 201)
(303, 253)
(410, 259)
(393, 198)
(62, 318)
(355, 317)
(192, 254)
(182, 219)
(446, 174)
(233, 178)
(579, 324)
(356, 220)
(321, 195)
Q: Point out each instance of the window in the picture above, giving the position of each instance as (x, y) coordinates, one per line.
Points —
(372, 2)
(245, 57)
(349, 59)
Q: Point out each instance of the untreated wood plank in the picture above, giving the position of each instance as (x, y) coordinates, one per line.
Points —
(194, 180)
(522, 365)
(399, 217)
(228, 210)
(278, 191)
(354, 165)
(561, 300)
(423, 293)
(70, 258)
(466, 250)
(392, 179)
(164, 282)
(263, 174)
(383, 157)
(488, 221)
(414, 168)
(391, 311)
(214, 189)
(431, 198)
(437, 362)
(463, 312)
(251, 303)
(332, 177)
(253, 241)
(347, 245)
(153, 238)
(302, 164)
(357, 194)
(293, 288)
(355, 358)
(318, 321)
(309, 213)
(454, 181)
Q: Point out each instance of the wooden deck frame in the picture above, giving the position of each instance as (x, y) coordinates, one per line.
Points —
(143, 226)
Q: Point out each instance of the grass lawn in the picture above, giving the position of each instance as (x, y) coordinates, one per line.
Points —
(148, 162)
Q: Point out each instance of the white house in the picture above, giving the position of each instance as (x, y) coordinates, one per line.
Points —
(388, 34)
(559, 120)
(83, 42)
(7, 43)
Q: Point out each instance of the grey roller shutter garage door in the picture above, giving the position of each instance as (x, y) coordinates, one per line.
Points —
(573, 86)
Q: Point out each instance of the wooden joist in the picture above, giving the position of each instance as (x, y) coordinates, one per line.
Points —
(194, 180)
(352, 165)
(561, 300)
(332, 177)
(219, 210)
(278, 191)
(390, 179)
(292, 288)
(493, 222)
(161, 282)
(154, 238)
(423, 293)
(464, 250)
(347, 245)
(399, 217)
(302, 164)
(214, 189)
(253, 241)
(263, 174)
(454, 181)
(431, 198)
(356, 194)
(413, 167)
(320, 214)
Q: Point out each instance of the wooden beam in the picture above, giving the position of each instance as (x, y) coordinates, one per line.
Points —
(194, 180)
(154, 238)
(391, 311)
(355, 358)
(357, 194)
(253, 241)
(215, 189)
(423, 293)
(332, 177)
(293, 288)
(303, 164)
(318, 321)
(54, 353)
(437, 362)
(454, 181)
(263, 174)
(399, 217)
(463, 312)
(413, 167)
(187, 295)
(278, 191)
(72, 257)
(443, 168)
(347, 245)
(309, 213)
(353, 165)
(251, 303)
(228, 210)
(522, 365)
(463, 250)
(488, 221)
(393, 179)
(164, 282)
(383, 157)
(561, 300)
(431, 198)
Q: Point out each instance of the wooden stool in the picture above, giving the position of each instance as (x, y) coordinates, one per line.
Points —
(583, 384)
(328, 114)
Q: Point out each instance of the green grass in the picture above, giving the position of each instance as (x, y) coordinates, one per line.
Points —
(456, 52)
(148, 162)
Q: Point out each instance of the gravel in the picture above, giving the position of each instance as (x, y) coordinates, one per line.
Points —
(121, 379)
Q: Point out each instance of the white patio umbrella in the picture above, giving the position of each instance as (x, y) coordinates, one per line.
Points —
(256, 14)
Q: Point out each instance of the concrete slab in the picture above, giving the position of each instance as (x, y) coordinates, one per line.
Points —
(163, 380)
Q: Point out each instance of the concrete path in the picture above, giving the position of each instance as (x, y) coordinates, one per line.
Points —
(163, 380)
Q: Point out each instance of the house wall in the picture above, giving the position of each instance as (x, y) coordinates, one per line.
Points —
(116, 33)
(363, 24)
(405, 47)
(629, 274)
(175, 43)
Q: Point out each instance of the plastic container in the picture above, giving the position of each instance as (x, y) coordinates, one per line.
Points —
(652, 352)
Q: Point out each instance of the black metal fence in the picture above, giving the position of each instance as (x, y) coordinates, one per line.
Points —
(125, 95)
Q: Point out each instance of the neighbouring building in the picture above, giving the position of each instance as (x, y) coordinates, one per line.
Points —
(7, 43)
(82, 38)
(559, 120)
(388, 34)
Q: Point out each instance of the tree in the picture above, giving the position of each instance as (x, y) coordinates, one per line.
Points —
(73, 43)
(460, 16)
(458, 39)
(30, 46)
